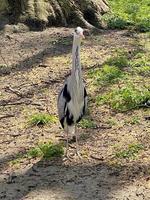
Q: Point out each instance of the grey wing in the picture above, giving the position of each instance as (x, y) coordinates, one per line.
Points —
(61, 104)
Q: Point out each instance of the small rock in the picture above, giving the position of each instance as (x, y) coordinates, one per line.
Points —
(148, 184)
(97, 157)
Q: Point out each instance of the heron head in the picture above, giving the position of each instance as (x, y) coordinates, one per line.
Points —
(78, 33)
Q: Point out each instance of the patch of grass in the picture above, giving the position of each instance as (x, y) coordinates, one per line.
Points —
(87, 123)
(15, 162)
(107, 74)
(111, 122)
(140, 60)
(129, 13)
(46, 150)
(34, 152)
(120, 60)
(42, 119)
(43, 150)
(51, 150)
(18, 159)
(143, 25)
(135, 120)
(130, 152)
(144, 71)
(141, 64)
(127, 98)
(115, 22)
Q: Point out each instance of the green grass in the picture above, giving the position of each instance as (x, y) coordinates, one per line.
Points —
(124, 99)
(131, 151)
(140, 64)
(143, 71)
(140, 60)
(46, 150)
(134, 120)
(43, 150)
(42, 119)
(15, 162)
(87, 123)
(18, 159)
(34, 152)
(129, 13)
(111, 122)
(105, 75)
(119, 60)
(115, 22)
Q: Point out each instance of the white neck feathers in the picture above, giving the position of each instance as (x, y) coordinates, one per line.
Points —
(76, 65)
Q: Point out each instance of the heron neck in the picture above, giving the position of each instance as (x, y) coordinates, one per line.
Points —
(76, 65)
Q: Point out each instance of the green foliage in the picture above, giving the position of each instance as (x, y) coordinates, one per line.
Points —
(107, 74)
(124, 13)
(18, 159)
(135, 120)
(46, 150)
(42, 119)
(120, 60)
(50, 150)
(127, 98)
(144, 71)
(130, 152)
(139, 60)
(34, 153)
(111, 122)
(15, 162)
(141, 64)
(143, 25)
(87, 123)
(115, 22)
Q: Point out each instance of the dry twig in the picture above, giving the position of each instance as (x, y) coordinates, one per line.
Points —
(9, 89)
(3, 58)
(7, 116)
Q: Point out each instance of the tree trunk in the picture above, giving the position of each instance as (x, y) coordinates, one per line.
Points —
(41, 13)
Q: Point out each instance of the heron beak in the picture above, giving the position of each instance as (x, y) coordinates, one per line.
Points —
(82, 35)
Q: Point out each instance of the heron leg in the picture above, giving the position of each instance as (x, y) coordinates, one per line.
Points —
(77, 146)
(67, 147)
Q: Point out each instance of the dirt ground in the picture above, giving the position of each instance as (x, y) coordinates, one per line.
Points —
(35, 65)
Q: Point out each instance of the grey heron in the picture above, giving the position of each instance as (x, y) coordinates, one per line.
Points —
(72, 99)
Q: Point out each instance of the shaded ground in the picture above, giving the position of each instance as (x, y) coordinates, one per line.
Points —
(37, 64)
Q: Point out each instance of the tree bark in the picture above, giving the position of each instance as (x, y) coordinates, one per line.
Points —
(41, 13)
